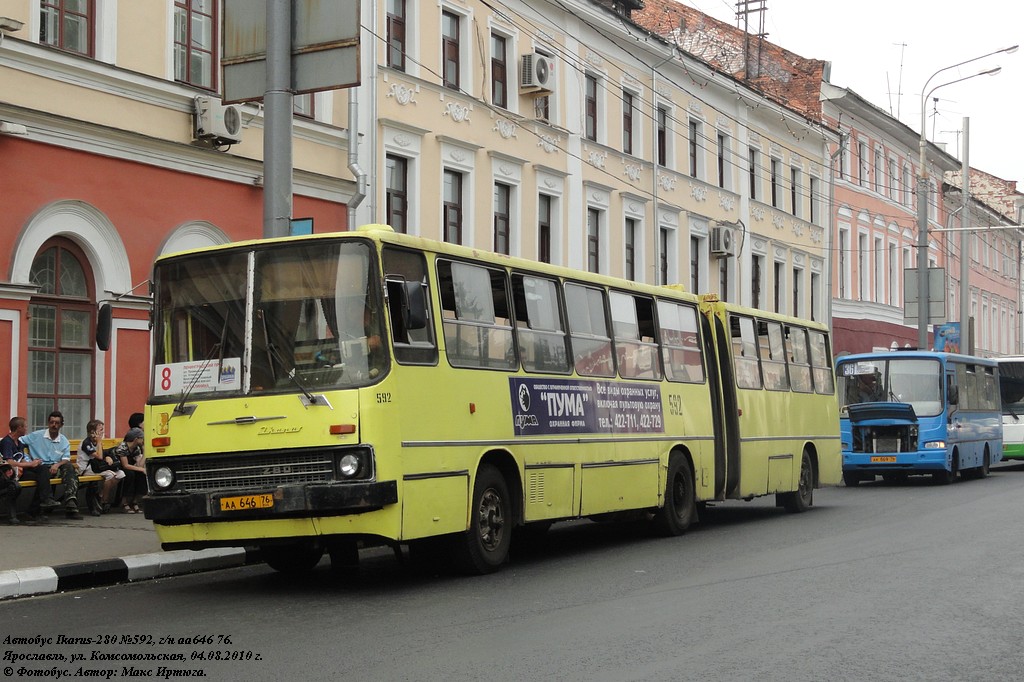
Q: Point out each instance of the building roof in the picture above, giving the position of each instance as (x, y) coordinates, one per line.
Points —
(783, 76)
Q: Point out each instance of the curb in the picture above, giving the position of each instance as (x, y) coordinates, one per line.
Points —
(24, 582)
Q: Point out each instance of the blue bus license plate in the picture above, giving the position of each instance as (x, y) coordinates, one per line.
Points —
(883, 460)
(246, 502)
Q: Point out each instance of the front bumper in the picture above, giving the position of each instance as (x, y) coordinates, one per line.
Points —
(920, 462)
(289, 501)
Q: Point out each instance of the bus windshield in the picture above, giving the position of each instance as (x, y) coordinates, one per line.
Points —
(1011, 387)
(292, 318)
(914, 380)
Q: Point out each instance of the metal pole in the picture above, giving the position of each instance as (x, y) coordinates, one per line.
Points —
(923, 303)
(277, 117)
(966, 340)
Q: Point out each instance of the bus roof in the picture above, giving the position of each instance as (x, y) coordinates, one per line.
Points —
(919, 354)
(385, 234)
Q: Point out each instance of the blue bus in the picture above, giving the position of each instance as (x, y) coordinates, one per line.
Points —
(907, 413)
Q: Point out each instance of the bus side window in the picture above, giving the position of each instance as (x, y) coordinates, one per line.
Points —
(633, 323)
(799, 362)
(413, 338)
(680, 342)
(744, 342)
(821, 364)
(991, 379)
(588, 326)
(773, 357)
(477, 319)
(540, 329)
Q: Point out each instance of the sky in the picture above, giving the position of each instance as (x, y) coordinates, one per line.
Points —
(881, 48)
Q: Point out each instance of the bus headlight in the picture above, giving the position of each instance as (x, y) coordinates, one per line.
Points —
(935, 445)
(163, 478)
(349, 465)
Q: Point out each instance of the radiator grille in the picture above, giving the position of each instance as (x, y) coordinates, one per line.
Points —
(247, 471)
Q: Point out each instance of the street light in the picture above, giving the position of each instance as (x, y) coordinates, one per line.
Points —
(923, 303)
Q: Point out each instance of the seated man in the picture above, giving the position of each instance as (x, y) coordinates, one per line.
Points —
(49, 452)
(11, 448)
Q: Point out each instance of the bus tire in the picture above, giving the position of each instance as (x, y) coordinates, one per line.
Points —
(801, 499)
(292, 559)
(680, 508)
(485, 546)
(850, 479)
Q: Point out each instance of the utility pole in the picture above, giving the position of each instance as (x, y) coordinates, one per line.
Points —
(966, 337)
(278, 103)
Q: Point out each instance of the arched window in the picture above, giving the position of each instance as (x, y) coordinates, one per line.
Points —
(60, 338)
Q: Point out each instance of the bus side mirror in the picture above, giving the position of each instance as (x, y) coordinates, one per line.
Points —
(414, 305)
(104, 322)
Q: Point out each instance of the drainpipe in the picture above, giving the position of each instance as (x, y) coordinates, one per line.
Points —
(353, 156)
(654, 161)
(832, 228)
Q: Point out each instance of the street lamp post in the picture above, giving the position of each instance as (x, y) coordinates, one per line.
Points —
(923, 302)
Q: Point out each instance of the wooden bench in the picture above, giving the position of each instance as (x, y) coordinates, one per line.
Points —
(82, 478)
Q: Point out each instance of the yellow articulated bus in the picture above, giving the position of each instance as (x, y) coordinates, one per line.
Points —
(329, 392)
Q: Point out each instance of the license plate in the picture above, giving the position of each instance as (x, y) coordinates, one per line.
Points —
(245, 502)
(883, 460)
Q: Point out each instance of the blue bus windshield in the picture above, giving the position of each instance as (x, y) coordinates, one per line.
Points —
(917, 381)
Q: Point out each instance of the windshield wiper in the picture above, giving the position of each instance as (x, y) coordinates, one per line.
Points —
(218, 348)
(180, 407)
(274, 354)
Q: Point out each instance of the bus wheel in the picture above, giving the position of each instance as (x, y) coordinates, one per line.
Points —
(292, 559)
(680, 508)
(802, 498)
(484, 547)
(986, 465)
(850, 479)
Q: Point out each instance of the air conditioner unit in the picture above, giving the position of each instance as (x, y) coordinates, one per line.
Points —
(217, 123)
(723, 241)
(537, 73)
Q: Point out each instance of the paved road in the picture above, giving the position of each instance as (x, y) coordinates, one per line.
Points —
(877, 582)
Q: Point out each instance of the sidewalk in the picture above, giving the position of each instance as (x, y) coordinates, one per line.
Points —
(63, 554)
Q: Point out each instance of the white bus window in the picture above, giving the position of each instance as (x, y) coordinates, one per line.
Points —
(773, 356)
(588, 325)
(474, 304)
(799, 360)
(821, 367)
(680, 342)
(633, 322)
(543, 344)
(744, 345)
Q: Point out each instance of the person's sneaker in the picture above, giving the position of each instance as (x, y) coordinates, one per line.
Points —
(13, 521)
(96, 512)
(49, 504)
(73, 514)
